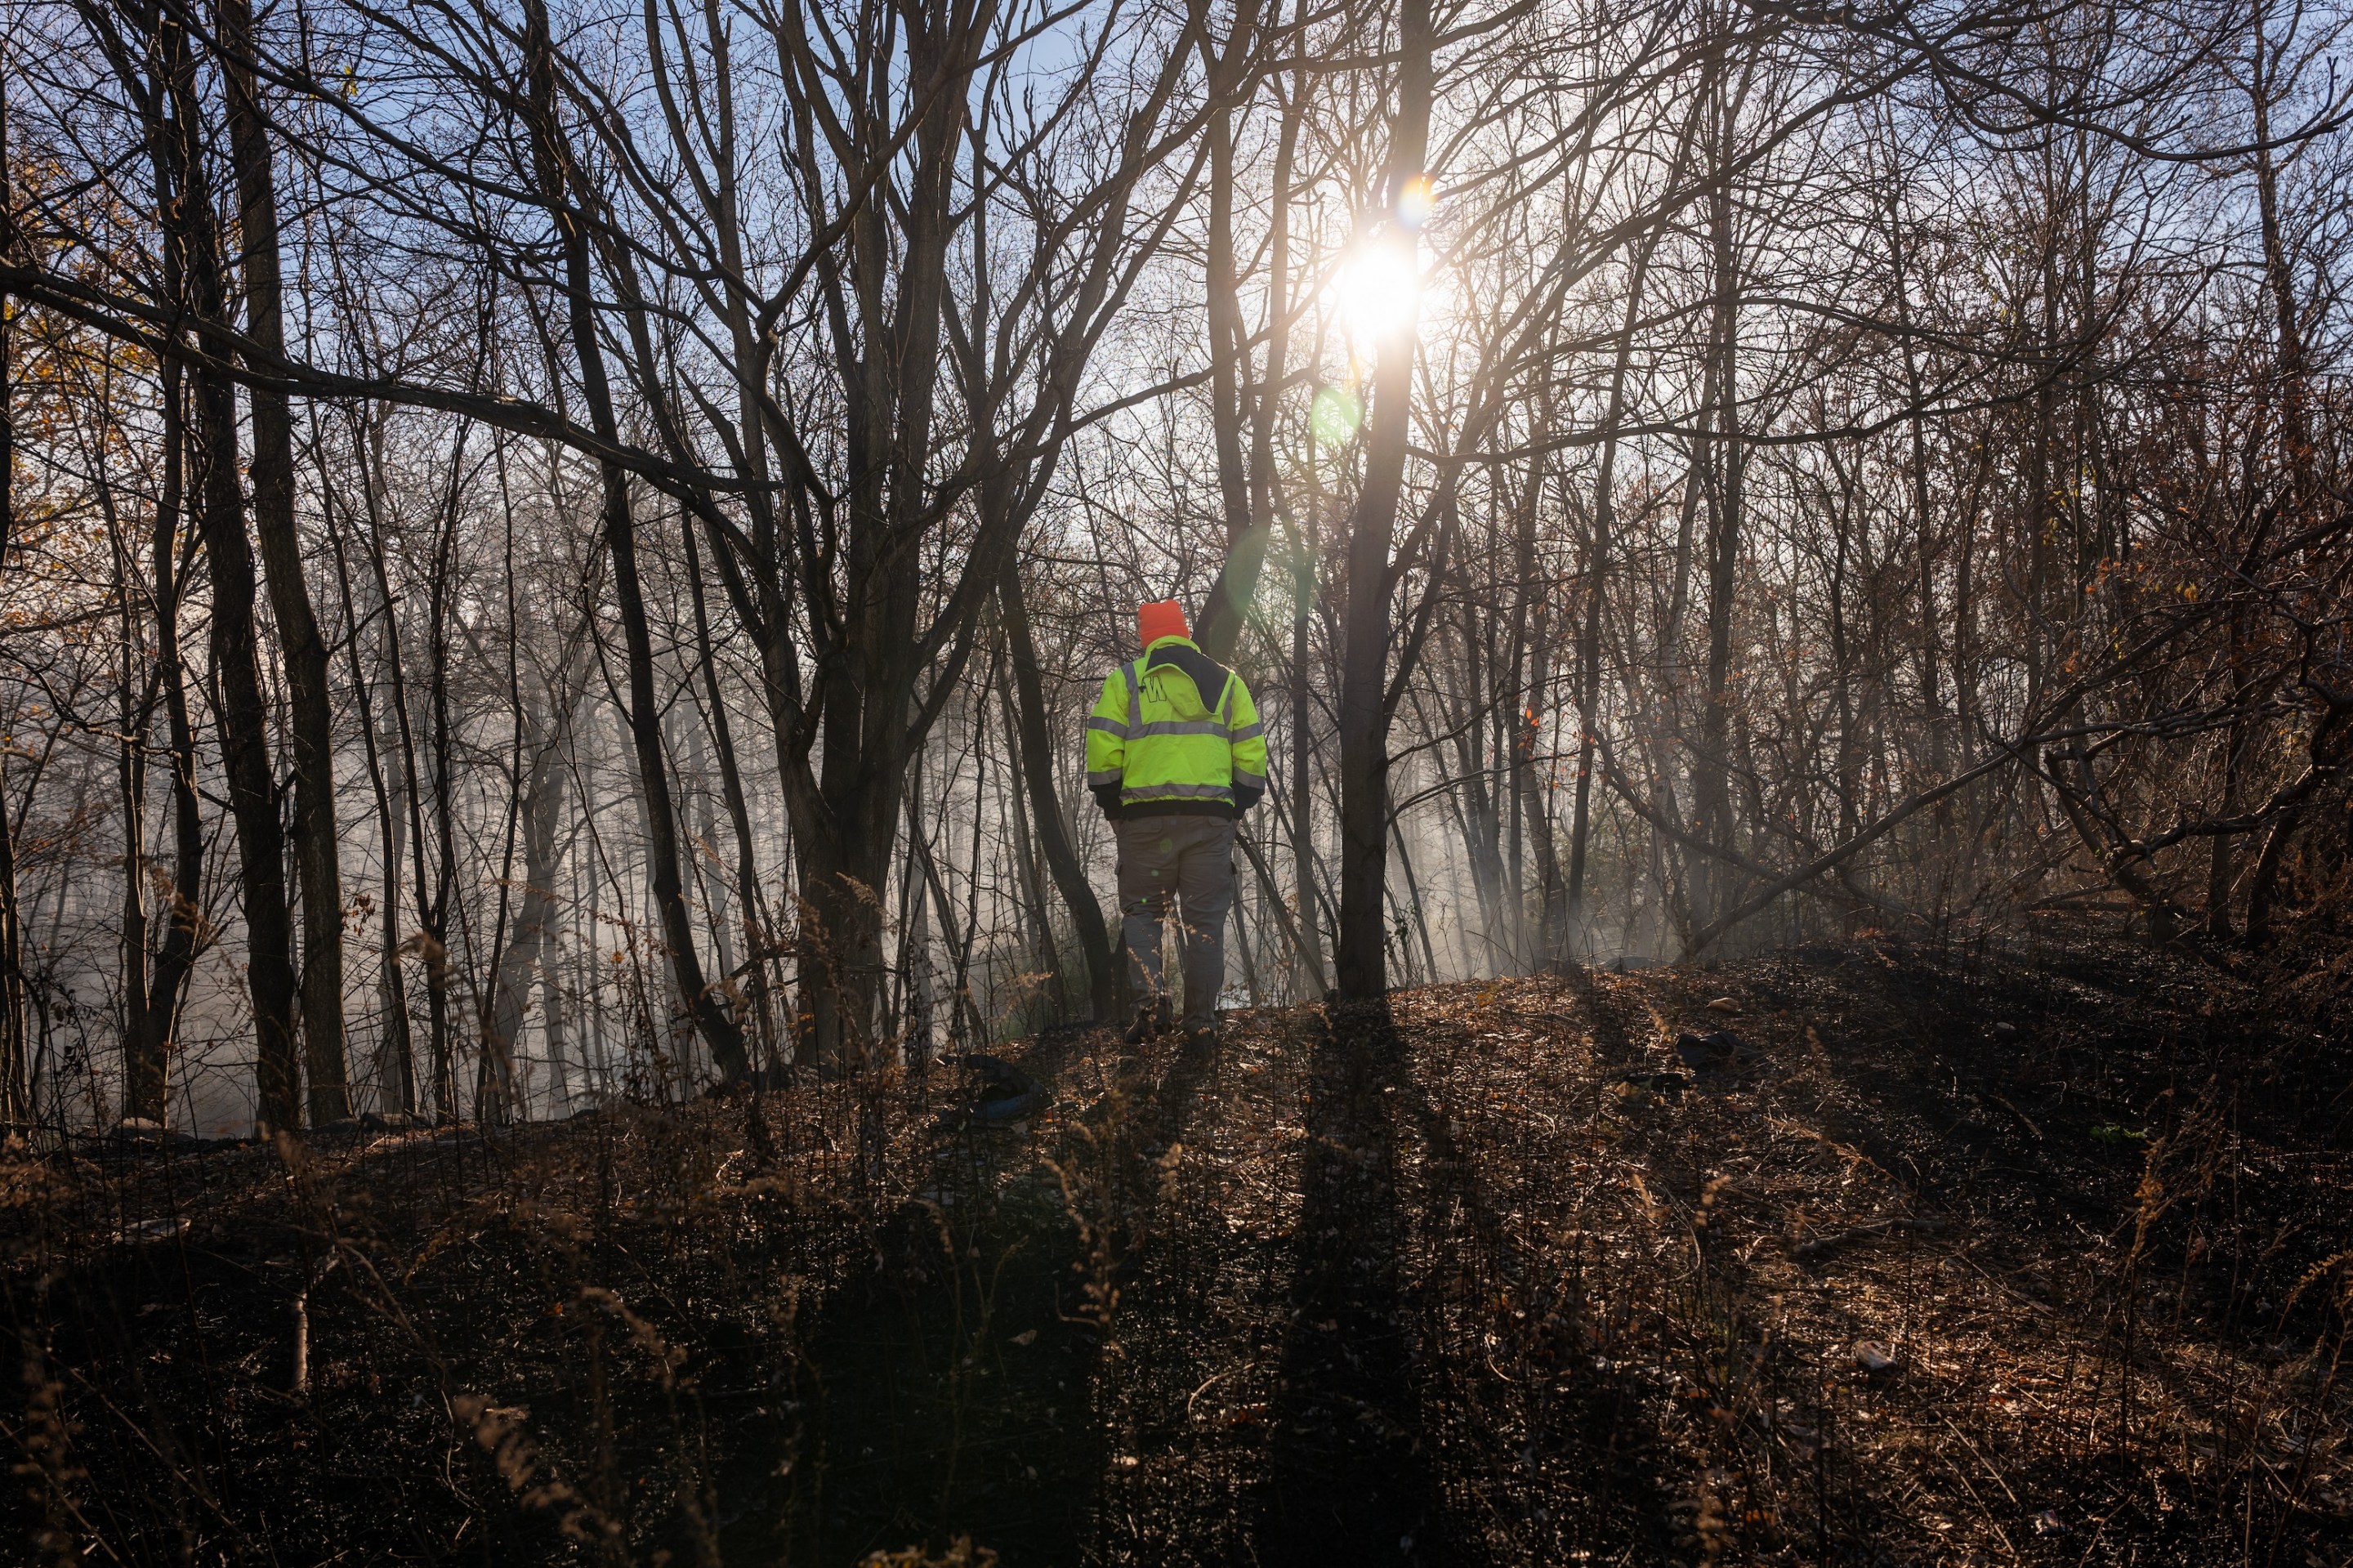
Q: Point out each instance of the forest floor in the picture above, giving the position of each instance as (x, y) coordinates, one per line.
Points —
(2035, 1251)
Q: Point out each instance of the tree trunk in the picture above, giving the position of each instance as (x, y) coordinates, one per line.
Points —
(1531, 796)
(1242, 488)
(1035, 746)
(395, 1068)
(311, 729)
(2279, 277)
(433, 902)
(15, 1068)
(1303, 764)
(1364, 717)
(243, 713)
(1597, 577)
(739, 814)
(719, 1030)
(146, 1084)
(14, 1089)
(406, 807)
(1026, 855)
(1712, 796)
(2262, 882)
(532, 930)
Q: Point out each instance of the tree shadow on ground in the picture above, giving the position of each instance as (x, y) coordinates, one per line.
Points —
(942, 1390)
(955, 1388)
(1349, 1478)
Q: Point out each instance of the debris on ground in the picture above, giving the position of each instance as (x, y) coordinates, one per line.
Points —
(1361, 1274)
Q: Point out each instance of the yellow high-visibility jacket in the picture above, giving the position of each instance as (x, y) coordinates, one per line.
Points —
(1176, 733)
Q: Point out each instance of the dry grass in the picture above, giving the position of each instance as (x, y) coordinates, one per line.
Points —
(1466, 1279)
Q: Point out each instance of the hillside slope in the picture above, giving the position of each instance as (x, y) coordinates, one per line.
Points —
(2035, 1254)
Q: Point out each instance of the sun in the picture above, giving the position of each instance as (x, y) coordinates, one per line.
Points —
(1377, 291)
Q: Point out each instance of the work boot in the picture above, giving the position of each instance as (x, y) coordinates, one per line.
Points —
(1200, 1037)
(1153, 1018)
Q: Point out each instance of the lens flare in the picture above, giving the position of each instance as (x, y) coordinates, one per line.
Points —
(1416, 201)
(1333, 417)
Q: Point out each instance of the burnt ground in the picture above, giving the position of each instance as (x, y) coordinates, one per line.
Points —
(2035, 1251)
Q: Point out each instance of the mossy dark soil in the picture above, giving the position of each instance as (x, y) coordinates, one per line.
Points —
(2032, 1252)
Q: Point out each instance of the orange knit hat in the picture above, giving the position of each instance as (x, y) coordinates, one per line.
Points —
(1154, 622)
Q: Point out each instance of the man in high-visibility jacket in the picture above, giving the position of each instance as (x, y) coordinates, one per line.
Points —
(1174, 753)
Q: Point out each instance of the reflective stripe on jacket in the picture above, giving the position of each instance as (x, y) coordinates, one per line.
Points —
(1158, 743)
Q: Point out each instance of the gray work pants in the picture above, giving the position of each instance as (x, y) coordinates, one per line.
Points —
(1187, 860)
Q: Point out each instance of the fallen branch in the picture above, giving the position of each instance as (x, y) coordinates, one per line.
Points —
(1822, 1244)
(2023, 1120)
